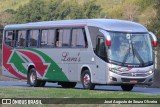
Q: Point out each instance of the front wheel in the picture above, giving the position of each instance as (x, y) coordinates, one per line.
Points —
(86, 80)
(127, 87)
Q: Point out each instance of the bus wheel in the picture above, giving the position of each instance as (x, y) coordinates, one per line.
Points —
(86, 80)
(68, 84)
(33, 78)
(127, 87)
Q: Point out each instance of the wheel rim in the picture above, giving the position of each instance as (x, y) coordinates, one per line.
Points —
(86, 79)
(32, 78)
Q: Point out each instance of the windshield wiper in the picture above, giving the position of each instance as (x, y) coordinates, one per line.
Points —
(125, 57)
(138, 56)
(127, 54)
(135, 53)
(132, 50)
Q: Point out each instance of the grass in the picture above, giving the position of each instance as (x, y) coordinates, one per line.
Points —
(50, 92)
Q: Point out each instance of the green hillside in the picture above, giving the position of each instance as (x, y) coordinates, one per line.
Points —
(11, 4)
(140, 10)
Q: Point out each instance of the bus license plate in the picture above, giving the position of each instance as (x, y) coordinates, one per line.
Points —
(133, 81)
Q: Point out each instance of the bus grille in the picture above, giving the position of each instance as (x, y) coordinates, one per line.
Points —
(134, 75)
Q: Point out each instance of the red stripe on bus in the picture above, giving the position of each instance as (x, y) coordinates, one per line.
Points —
(6, 55)
(39, 64)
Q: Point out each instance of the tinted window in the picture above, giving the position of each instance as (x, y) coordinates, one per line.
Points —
(78, 38)
(48, 38)
(63, 38)
(9, 38)
(21, 39)
(33, 38)
(101, 48)
(93, 31)
(66, 38)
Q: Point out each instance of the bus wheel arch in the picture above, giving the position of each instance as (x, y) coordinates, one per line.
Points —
(83, 69)
(86, 79)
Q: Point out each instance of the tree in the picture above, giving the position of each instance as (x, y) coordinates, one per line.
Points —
(131, 12)
(91, 9)
(51, 9)
(154, 24)
(38, 10)
(5, 18)
(31, 12)
(63, 11)
(76, 11)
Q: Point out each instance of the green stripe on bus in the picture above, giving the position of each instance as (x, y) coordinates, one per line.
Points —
(54, 71)
(18, 63)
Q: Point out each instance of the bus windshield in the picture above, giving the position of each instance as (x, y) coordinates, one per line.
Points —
(130, 49)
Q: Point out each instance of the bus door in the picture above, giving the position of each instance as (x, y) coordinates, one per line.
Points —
(100, 60)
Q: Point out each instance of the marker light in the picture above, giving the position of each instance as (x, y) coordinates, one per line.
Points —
(154, 39)
(107, 37)
(108, 42)
(154, 43)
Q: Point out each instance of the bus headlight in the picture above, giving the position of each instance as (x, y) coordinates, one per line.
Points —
(150, 72)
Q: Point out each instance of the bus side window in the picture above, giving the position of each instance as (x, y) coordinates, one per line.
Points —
(66, 38)
(48, 38)
(78, 38)
(59, 38)
(100, 49)
(9, 38)
(21, 39)
(33, 38)
(63, 38)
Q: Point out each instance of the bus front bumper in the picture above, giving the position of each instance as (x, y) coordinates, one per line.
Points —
(116, 79)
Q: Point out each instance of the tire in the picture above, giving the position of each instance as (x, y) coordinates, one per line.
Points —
(127, 87)
(32, 78)
(68, 84)
(86, 80)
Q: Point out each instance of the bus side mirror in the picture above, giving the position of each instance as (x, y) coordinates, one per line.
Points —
(154, 39)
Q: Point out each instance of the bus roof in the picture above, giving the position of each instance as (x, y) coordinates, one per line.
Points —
(106, 24)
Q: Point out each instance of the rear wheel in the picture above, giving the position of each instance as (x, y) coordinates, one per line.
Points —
(127, 87)
(32, 79)
(86, 80)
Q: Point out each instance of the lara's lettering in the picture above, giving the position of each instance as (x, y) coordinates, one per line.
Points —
(68, 58)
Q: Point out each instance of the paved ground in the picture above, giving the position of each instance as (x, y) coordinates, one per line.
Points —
(79, 86)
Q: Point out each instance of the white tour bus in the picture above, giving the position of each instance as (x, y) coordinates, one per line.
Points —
(90, 51)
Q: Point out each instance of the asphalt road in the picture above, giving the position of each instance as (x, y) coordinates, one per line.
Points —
(144, 90)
